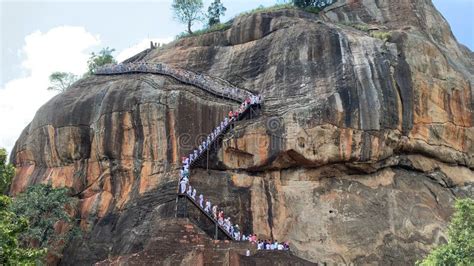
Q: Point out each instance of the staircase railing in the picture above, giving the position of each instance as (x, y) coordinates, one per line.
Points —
(210, 84)
(216, 223)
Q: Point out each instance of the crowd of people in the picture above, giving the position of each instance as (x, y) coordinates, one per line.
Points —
(205, 82)
(185, 187)
(272, 245)
(207, 142)
(209, 84)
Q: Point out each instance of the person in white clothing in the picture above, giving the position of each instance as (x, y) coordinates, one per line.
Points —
(194, 194)
(183, 184)
(201, 201)
(208, 206)
(190, 190)
(214, 211)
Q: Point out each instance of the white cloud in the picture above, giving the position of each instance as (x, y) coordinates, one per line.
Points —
(62, 48)
(140, 46)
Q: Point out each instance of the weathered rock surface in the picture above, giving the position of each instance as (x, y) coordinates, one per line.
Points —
(357, 156)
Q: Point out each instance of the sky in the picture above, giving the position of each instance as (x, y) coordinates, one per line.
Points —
(40, 37)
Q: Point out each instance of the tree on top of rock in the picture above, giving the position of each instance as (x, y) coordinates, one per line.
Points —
(188, 12)
(104, 57)
(61, 81)
(215, 11)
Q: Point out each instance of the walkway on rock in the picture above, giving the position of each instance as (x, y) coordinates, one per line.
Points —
(181, 210)
(214, 85)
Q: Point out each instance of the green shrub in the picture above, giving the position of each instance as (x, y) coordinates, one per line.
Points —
(267, 9)
(382, 35)
(361, 27)
(216, 27)
(7, 171)
(460, 247)
(11, 227)
(43, 206)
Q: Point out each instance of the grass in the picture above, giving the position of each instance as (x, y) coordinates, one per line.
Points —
(217, 27)
(227, 25)
(267, 9)
(382, 35)
(358, 26)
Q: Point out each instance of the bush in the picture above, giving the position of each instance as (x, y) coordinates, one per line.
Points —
(11, 227)
(216, 27)
(44, 206)
(460, 247)
(7, 171)
(267, 9)
(382, 35)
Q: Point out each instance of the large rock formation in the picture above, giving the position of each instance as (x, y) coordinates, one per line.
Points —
(357, 156)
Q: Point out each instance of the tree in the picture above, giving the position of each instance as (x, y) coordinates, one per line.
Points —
(7, 171)
(460, 247)
(215, 11)
(11, 226)
(45, 206)
(61, 81)
(188, 12)
(104, 57)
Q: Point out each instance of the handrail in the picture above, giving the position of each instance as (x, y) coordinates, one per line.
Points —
(207, 215)
(214, 85)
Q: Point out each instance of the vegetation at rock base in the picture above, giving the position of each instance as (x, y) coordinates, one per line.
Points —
(11, 227)
(104, 57)
(47, 211)
(460, 247)
(6, 171)
(188, 12)
(214, 12)
(61, 81)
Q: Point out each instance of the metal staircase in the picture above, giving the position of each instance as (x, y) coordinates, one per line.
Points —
(215, 86)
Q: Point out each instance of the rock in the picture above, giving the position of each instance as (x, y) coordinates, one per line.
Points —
(357, 156)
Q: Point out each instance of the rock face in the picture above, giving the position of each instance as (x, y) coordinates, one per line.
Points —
(357, 156)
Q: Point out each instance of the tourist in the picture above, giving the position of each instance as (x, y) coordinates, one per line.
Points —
(194, 194)
(201, 201)
(280, 246)
(208, 206)
(190, 190)
(236, 232)
(183, 184)
(214, 212)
